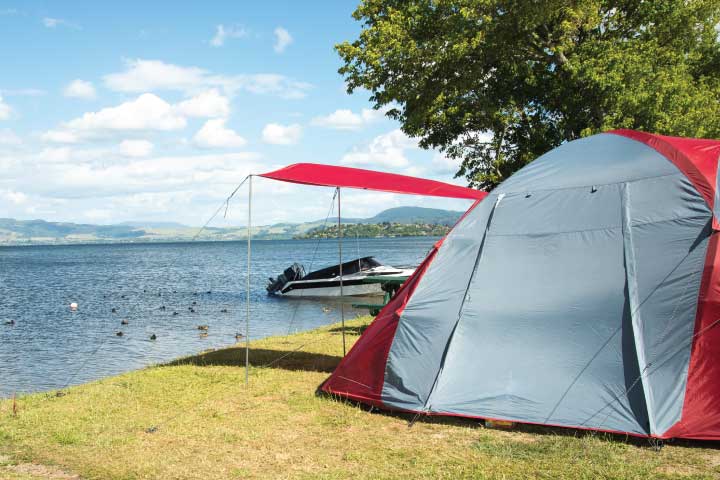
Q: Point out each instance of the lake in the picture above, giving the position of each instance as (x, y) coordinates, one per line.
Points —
(49, 346)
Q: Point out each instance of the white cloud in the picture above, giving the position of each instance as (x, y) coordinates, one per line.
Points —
(95, 215)
(207, 104)
(273, 84)
(215, 134)
(8, 137)
(76, 155)
(277, 134)
(146, 112)
(386, 150)
(282, 39)
(59, 136)
(54, 155)
(80, 89)
(50, 22)
(64, 174)
(136, 148)
(222, 32)
(4, 110)
(149, 75)
(344, 119)
(11, 196)
(153, 75)
(75, 184)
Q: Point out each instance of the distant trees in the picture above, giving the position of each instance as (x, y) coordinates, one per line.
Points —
(496, 83)
(384, 229)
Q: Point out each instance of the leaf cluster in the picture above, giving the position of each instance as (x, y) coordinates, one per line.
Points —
(496, 83)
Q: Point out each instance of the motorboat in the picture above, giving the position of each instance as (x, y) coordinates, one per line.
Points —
(294, 282)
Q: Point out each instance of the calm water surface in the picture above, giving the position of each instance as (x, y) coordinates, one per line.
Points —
(49, 346)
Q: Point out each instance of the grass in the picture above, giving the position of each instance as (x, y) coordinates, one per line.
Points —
(195, 418)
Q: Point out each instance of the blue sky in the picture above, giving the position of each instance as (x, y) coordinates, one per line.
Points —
(116, 111)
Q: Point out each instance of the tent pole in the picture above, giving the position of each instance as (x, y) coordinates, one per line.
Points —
(247, 286)
(342, 305)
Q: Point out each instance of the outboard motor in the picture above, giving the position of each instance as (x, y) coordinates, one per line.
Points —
(292, 273)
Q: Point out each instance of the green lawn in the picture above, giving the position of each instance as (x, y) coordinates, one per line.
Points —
(196, 419)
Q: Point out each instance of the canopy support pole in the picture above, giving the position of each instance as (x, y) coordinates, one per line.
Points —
(342, 305)
(247, 285)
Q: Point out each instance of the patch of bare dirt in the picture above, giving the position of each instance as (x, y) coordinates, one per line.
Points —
(36, 470)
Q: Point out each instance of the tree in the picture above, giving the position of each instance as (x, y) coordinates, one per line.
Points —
(496, 83)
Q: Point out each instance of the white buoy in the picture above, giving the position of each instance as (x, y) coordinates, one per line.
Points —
(73, 306)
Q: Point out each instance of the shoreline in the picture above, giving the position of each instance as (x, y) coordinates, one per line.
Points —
(180, 242)
(195, 418)
(240, 344)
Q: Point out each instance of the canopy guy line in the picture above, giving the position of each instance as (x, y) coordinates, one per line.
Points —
(287, 354)
(321, 175)
(349, 177)
(650, 372)
(154, 427)
(85, 362)
(105, 337)
(342, 305)
(87, 359)
(225, 204)
(312, 259)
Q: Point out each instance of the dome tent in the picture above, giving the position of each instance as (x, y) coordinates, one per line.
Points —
(583, 292)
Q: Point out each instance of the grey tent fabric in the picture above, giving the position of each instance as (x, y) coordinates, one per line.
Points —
(567, 297)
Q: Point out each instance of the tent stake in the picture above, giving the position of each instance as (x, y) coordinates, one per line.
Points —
(247, 286)
(342, 305)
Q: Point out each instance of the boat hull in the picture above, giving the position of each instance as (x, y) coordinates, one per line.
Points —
(351, 289)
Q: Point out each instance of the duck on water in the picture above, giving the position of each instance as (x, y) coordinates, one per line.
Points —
(294, 282)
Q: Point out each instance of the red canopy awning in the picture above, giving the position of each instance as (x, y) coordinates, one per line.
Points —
(334, 176)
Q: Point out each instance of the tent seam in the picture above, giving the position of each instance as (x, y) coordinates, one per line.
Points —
(635, 317)
(639, 224)
(578, 187)
(428, 405)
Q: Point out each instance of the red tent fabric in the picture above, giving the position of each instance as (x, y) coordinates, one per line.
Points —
(334, 176)
(361, 373)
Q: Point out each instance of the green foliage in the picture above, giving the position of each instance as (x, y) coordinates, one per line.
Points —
(384, 229)
(497, 83)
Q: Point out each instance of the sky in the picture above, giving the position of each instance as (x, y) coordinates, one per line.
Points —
(156, 111)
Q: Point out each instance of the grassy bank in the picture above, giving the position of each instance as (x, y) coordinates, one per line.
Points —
(196, 419)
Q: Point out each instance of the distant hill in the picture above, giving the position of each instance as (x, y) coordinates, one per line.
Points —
(22, 230)
(409, 215)
(153, 224)
(31, 232)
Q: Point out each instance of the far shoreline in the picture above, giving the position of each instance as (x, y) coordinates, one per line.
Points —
(175, 242)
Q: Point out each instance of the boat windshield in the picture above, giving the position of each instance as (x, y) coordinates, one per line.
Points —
(348, 268)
